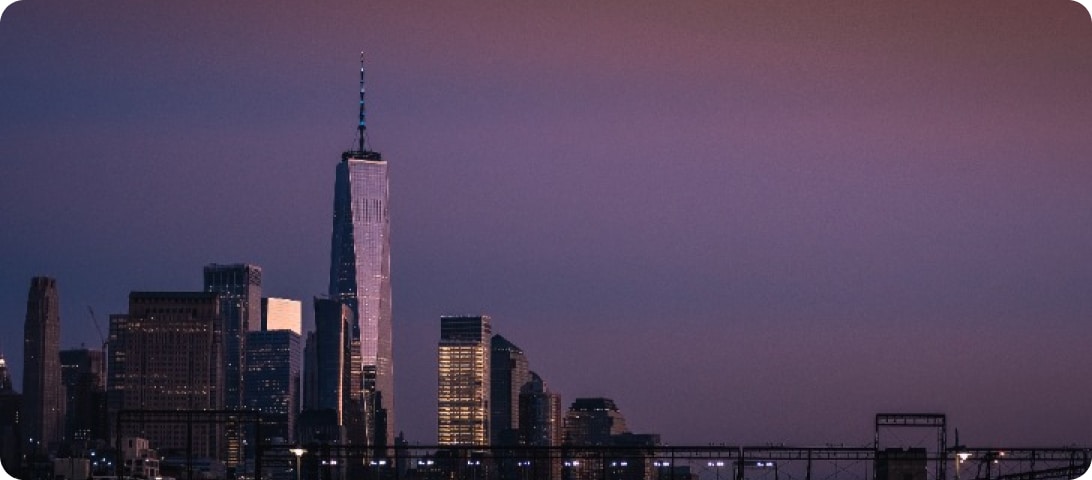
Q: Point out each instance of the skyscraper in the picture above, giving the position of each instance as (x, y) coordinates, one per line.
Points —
(11, 406)
(166, 354)
(360, 271)
(463, 386)
(509, 374)
(82, 373)
(43, 393)
(240, 289)
(272, 381)
(331, 380)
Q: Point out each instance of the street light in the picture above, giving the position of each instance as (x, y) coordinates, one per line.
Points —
(299, 453)
(717, 464)
(960, 458)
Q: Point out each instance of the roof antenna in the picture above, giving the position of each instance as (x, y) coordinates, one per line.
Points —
(363, 126)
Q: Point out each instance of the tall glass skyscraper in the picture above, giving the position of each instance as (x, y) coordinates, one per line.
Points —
(360, 273)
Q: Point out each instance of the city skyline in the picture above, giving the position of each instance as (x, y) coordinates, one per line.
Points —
(870, 207)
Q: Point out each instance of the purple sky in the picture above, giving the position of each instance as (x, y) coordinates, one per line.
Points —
(745, 221)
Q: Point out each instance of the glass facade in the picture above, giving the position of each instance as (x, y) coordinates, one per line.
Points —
(360, 277)
(464, 381)
(272, 380)
(240, 289)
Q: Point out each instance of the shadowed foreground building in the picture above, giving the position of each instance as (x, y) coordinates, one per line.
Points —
(167, 354)
(11, 445)
(508, 374)
(83, 374)
(43, 393)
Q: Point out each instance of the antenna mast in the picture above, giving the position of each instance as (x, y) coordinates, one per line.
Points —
(362, 126)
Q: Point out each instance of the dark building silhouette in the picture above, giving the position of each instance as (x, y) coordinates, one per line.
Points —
(540, 420)
(509, 372)
(11, 439)
(899, 464)
(43, 393)
(593, 421)
(332, 409)
(167, 354)
(240, 291)
(360, 273)
(272, 379)
(83, 373)
(540, 425)
(597, 422)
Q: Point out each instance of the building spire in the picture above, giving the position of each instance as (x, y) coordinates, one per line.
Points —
(362, 127)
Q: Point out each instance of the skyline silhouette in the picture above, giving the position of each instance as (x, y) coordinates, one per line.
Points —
(742, 222)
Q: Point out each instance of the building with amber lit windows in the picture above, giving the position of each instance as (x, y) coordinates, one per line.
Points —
(464, 381)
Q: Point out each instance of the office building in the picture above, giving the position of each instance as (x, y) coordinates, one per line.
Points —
(282, 314)
(11, 406)
(592, 421)
(331, 383)
(540, 420)
(464, 381)
(272, 380)
(508, 374)
(360, 271)
(167, 354)
(84, 377)
(240, 291)
(43, 393)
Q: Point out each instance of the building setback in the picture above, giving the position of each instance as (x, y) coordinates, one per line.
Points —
(43, 393)
(167, 354)
(464, 381)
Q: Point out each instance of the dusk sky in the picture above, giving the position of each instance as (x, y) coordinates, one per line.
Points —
(744, 221)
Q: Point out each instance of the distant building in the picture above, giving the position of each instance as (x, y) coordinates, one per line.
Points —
(11, 406)
(540, 425)
(43, 393)
(360, 268)
(166, 354)
(282, 314)
(272, 380)
(240, 291)
(464, 381)
(597, 422)
(540, 420)
(899, 464)
(331, 379)
(83, 374)
(509, 372)
(592, 421)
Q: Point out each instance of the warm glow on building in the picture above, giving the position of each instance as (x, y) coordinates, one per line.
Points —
(464, 383)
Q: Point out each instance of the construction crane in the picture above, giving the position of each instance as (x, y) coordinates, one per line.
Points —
(105, 358)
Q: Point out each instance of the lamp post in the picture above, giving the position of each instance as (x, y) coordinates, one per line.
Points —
(716, 464)
(299, 453)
